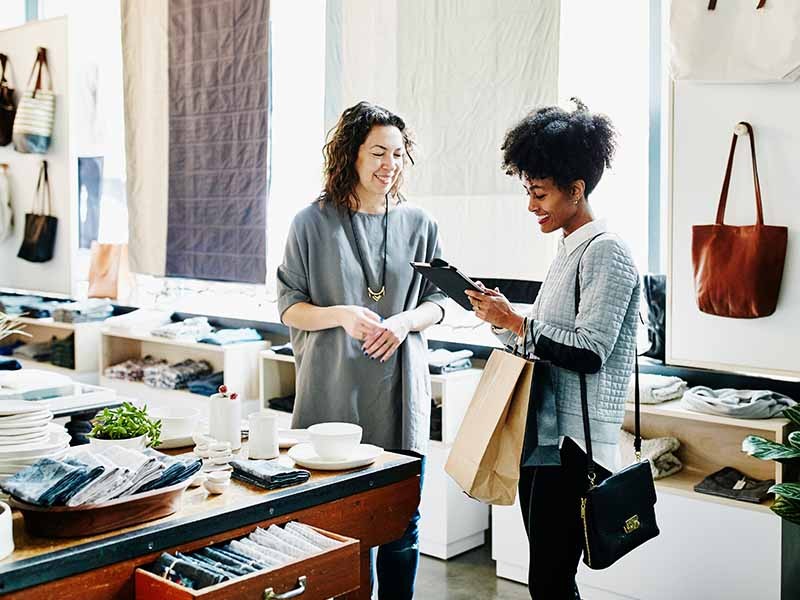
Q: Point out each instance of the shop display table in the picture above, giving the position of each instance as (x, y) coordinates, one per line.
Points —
(372, 505)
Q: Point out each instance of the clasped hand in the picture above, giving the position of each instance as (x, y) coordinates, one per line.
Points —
(381, 338)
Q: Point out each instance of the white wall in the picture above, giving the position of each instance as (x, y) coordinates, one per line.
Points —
(20, 45)
(703, 119)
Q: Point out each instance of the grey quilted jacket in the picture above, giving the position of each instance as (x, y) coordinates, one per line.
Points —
(600, 340)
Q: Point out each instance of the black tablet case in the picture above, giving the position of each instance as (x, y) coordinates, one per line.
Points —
(448, 279)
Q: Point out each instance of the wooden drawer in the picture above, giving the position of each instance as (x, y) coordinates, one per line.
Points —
(323, 575)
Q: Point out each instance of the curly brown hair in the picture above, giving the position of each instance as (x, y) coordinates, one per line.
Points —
(341, 151)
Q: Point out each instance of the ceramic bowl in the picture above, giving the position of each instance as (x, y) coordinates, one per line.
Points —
(214, 487)
(176, 421)
(137, 443)
(335, 441)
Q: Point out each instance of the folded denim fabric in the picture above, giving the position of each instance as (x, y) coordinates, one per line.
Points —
(10, 364)
(224, 337)
(741, 404)
(175, 470)
(213, 565)
(34, 312)
(140, 469)
(245, 560)
(244, 566)
(40, 482)
(108, 480)
(207, 386)
(201, 576)
(88, 474)
(725, 481)
(284, 403)
(268, 472)
(8, 349)
(12, 305)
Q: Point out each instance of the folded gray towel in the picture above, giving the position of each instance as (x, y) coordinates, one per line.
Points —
(660, 452)
(654, 389)
(741, 404)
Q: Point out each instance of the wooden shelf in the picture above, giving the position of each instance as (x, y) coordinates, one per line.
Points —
(49, 322)
(675, 409)
(154, 339)
(683, 482)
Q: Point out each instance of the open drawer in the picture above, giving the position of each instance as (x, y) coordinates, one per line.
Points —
(326, 574)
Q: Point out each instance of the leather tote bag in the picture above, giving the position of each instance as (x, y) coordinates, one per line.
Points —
(738, 269)
(33, 124)
(39, 240)
(735, 41)
(7, 106)
(109, 273)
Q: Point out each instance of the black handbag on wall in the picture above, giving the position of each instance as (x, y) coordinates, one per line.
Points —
(655, 295)
(7, 106)
(617, 514)
(39, 240)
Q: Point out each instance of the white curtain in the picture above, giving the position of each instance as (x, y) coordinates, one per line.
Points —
(146, 86)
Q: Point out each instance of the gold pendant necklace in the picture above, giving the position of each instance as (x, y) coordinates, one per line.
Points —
(376, 296)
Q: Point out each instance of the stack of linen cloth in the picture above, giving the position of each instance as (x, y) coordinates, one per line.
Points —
(740, 404)
(93, 309)
(133, 369)
(660, 451)
(444, 361)
(142, 320)
(655, 389)
(177, 376)
(267, 474)
(191, 329)
(225, 337)
(261, 550)
(86, 477)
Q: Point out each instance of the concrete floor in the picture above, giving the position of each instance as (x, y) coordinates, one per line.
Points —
(468, 576)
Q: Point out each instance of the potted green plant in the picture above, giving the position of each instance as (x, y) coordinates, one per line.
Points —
(127, 426)
(787, 495)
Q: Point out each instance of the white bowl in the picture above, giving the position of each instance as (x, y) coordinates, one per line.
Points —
(176, 421)
(137, 443)
(335, 441)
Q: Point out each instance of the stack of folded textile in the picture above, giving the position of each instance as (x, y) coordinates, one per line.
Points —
(654, 389)
(177, 376)
(8, 349)
(444, 361)
(740, 404)
(142, 320)
(93, 309)
(12, 305)
(86, 477)
(284, 349)
(63, 352)
(436, 421)
(34, 351)
(133, 369)
(283, 404)
(224, 337)
(261, 550)
(267, 474)
(660, 451)
(190, 329)
(9, 364)
(207, 386)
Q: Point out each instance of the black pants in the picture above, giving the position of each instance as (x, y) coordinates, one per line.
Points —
(550, 499)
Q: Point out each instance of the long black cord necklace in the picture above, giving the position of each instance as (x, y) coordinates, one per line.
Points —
(376, 296)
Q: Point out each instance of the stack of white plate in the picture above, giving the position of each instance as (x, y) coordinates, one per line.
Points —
(27, 433)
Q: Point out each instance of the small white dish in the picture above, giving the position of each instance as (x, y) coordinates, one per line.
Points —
(216, 488)
(291, 437)
(335, 441)
(198, 480)
(305, 456)
(223, 459)
(178, 442)
(219, 476)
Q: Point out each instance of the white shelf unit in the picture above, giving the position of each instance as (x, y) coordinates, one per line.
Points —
(87, 346)
(702, 536)
(238, 361)
(451, 522)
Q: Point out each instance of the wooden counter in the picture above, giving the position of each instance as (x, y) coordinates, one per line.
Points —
(373, 505)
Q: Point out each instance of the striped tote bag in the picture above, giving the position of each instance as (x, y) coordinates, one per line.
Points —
(33, 124)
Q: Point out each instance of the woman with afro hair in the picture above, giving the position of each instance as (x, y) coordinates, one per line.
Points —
(559, 156)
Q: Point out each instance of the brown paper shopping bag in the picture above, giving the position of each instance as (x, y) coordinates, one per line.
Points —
(485, 457)
(109, 273)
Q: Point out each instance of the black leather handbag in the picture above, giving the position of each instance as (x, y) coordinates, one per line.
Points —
(618, 514)
(7, 107)
(655, 294)
(38, 243)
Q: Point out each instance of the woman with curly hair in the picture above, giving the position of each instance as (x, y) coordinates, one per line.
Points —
(560, 157)
(356, 309)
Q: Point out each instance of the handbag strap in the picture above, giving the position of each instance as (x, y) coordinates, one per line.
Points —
(712, 4)
(41, 63)
(3, 63)
(42, 190)
(637, 439)
(723, 197)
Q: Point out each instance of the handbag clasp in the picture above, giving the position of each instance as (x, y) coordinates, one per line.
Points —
(632, 524)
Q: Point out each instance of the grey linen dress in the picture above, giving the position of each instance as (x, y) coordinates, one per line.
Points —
(335, 381)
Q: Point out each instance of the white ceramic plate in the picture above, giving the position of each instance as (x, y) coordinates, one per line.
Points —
(304, 455)
(57, 440)
(40, 416)
(291, 437)
(10, 408)
(25, 438)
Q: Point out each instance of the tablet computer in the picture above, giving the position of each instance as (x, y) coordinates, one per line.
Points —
(448, 279)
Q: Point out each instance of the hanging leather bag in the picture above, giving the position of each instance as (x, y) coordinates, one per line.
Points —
(618, 514)
(7, 106)
(738, 269)
(40, 226)
(109, 273)
(33, 123)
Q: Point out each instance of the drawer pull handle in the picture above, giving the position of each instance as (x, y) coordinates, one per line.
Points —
(269, 593)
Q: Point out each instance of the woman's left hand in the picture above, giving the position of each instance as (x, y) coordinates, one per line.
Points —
(493, 307)
(386, 339)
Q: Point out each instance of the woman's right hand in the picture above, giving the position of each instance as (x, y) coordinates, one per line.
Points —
(358, 322)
